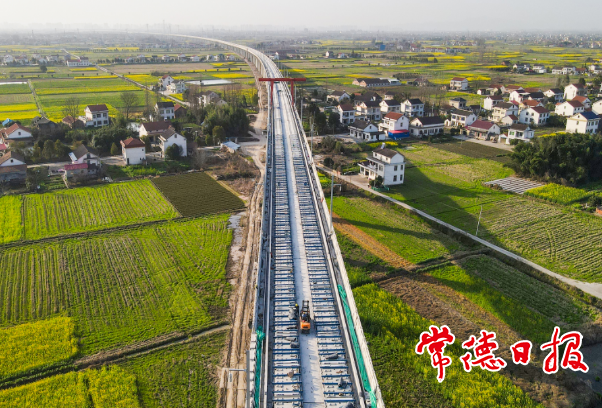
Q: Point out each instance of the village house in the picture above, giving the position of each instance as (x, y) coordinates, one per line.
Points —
(420, 81)
(153, 129)
(413, 107)
(491, 101)
(536, 96)
(389, 96)
(165, 81)
(390, 105)
(12, 168)
(476, 109)
(165, 110)
(365, 131)
(584, 101)
(370, 110)
(96, 116)
(554, 95)
(539, 69)
(509, 120)
(177, 87)
(85, 163)
(346, 113)
(77, 62)
(584, 122)
(573, 90)
(504, 109)
(458, 103)
(386, 163)
(460, 118)
(208, 98)
(518, 95)
(394, 122)
(518, 131)
(133, 151)
(597, 107)
(458, 84)
(44, 125)
(179, 111)
(569, 108)
(195, 58)
(368, 96)
(371, 82)
(74, 123)
(338, 96)
(507, 89)
(170, 137)
(482, 129)
(529, 103)
(426, 126)
(537, 115)
(15, 133)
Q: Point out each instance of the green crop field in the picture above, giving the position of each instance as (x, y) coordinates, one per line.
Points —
(195, 194)
(93, 208)
(11, 225)
(77, 86)
(531, 325)
(32, 345)
(123, 286)
(53, 104)
(559, 194)
(184, 375)
(406, 235)
(448, 186)
(544, 299)
(8, 89)
(392, 329)
(104, 388)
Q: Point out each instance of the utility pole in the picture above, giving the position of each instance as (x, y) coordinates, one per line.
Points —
(479, 222)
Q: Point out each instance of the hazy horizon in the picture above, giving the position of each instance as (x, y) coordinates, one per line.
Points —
(441, 15)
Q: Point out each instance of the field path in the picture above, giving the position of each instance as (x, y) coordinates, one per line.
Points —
(369, 243)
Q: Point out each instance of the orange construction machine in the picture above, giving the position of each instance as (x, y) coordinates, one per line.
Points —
(305, 320)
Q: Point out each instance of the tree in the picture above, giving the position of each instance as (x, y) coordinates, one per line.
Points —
(130, 100)
(48, 152)
(320, 121)
(71, 107)
(147, 143)
(43, 68)
(255, 99)
(173, 152)
(334, 119)
(582, 81)
(60, 149)
(209, 140)
(114, 149)
(567, 80)
(218, 134)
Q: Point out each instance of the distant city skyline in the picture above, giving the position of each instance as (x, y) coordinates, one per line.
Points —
(384, 15)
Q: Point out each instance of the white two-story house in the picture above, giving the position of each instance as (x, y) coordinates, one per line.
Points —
(394, 122)
(503, 109)
(492, 101)
(412, 107)
(133, 151)
(572, 90)
(426, 126)
(569, 108)
(370, 110)
(165, 110)
(389, 105)
(461, 118)
(518, 131)
(365, 131)
(346, 113)
(584, 122)
(458, 84)
(171, 137)
(386, 163)
(96, 115)
(537, 115)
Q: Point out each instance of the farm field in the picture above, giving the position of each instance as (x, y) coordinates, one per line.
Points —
(83, 86)
(11, 224)
(195, 194)
(93, 208)
(406, 235)
(448, 186)
(556, 193)
(183, 375)
(104, 388)
(33, 345)
(53, 104)
(124, 286)
(407, 379)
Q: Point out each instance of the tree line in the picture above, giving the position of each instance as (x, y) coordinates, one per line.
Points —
(562, 158)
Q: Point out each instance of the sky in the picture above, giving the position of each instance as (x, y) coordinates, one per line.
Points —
(384, 15)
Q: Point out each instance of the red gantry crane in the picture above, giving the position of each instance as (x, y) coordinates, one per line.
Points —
(292, 82)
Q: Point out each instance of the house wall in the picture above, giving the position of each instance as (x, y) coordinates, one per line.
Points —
(175, 139)
(135, 155)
